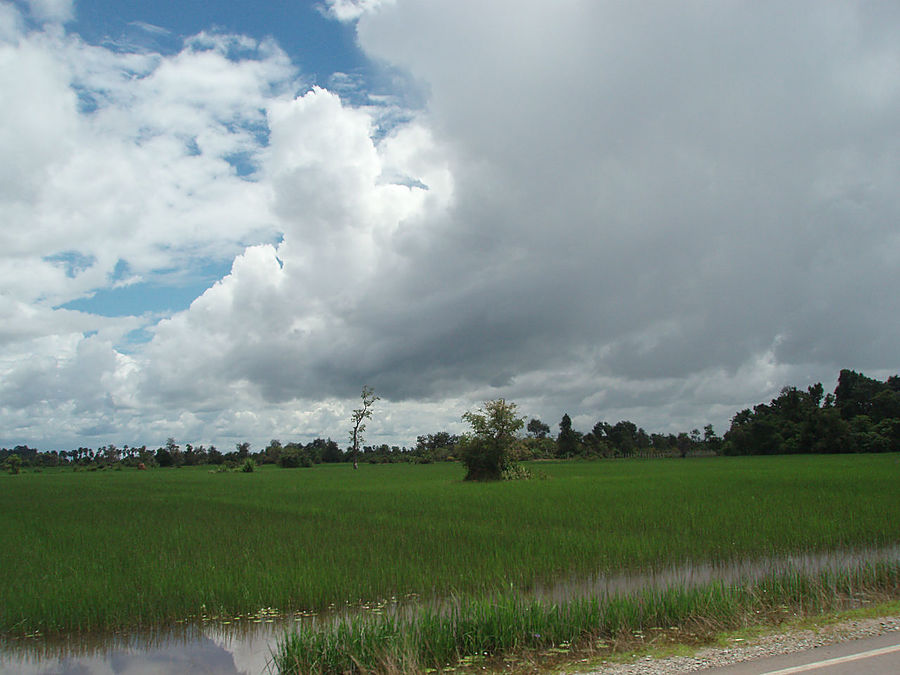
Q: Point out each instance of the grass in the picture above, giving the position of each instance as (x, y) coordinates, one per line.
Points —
(478, 631)
(106, 550)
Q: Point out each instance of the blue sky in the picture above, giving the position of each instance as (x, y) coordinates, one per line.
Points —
(219, 220)
(319, 45)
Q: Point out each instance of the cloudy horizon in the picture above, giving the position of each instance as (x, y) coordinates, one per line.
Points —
(218, 228)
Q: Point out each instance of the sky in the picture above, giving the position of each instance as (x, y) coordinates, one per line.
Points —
(218, 223)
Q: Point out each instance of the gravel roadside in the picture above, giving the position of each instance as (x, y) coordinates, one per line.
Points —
(752, 648)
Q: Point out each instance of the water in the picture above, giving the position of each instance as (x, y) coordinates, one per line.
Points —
(699, 574)
(245, 646)
(211, 648)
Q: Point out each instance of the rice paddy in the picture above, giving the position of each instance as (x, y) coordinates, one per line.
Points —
(107, 550)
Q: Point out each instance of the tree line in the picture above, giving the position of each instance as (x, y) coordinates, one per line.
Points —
(861, 415)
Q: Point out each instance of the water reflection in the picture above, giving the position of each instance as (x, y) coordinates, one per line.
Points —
(236, 649)
(693, 575)
(244, 645)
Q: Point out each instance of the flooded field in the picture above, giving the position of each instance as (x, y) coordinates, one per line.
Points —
(245, 644)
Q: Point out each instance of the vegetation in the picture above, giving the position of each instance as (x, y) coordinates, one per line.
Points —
(109, 549)
(358, 422)
(479, 631)
(862, 415)
(487, 451)
(101, 549)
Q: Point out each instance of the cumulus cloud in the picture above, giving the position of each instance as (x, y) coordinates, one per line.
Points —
(657, 212)
(667, 190)
(286, 321)
(118, 167)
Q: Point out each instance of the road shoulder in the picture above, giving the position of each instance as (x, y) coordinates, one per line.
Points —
(759, 643)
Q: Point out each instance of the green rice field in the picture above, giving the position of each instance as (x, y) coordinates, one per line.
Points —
(110, 549)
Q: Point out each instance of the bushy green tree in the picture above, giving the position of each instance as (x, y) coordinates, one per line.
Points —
(487, 451)
(12, 464)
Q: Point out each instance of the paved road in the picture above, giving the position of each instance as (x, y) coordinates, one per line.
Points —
(871, 656)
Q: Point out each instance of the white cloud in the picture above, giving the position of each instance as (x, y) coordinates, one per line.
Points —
(283, 321)
(143, 176)
(115, 158)
(351, 10)
(651, 211)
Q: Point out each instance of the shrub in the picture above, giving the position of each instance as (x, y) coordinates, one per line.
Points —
(12, 464)
(515, 471)
(293, 457)
(486, 452)
(289, 458)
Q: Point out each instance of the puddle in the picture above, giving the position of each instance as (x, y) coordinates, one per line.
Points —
(244, 646)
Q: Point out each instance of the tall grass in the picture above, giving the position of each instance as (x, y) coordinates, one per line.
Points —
(510, 624)
(101, 550)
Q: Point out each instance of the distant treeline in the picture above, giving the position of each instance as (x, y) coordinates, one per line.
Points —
(862, 415)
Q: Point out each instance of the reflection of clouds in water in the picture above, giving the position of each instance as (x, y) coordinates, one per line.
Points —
(25, 665)
(251, 651)
(224, 656)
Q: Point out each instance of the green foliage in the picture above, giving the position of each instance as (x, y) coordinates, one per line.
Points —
(439, 447)
(164, 457)
(516, 471)
(305, 539)
(486, 453)
(537, 429)
(12, 464)
(493, 626)
(242, 450)
(568, 440)
(248, 466)
(857, 418)
(289, 459)
(295, 456)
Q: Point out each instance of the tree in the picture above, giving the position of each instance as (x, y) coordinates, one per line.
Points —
(486, 452)
(273, 451)
(623, 437)
(568, 439)
(329, 451)
(163, 457)
(435, 447)
(711, 440)
(358, 420)
(215, 456)
(13, 464)
(538, 429)
(176, 456)
(294, 455)
(684, 444)
(854, 393)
